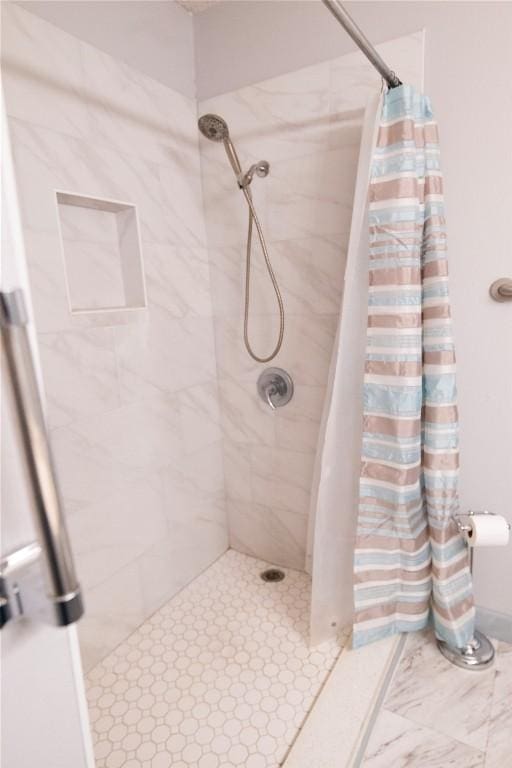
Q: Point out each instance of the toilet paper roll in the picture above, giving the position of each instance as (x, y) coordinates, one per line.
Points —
(488, 531)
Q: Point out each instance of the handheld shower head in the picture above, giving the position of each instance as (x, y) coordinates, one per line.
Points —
(213, 127)
(216, 129)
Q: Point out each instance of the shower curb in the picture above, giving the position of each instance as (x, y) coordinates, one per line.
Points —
(379, 701)
(338, 726)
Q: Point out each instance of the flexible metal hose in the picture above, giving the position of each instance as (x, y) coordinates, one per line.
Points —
(253, 217)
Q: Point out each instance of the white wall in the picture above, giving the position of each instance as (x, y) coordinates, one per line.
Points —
(155, 37)
(467, 74)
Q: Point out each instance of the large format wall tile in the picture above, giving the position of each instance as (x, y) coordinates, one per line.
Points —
(307, 124)
(134, 113)
(178, 279)
(114, 608)
(232, 357)
(245, 418)
(42, 73)
(310, 272)
(312, 195)
(296, 426)
(225, 207)
(284, 117)
(307, 349)
(161, 353)
(132, 395)
(200, 415)
(100, 454)
(281, 479)
(107, 535)
(280, 534)
(80, 374)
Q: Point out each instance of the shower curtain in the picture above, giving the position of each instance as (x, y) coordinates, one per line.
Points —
(335, 487)
(410, 562)
(408, 549)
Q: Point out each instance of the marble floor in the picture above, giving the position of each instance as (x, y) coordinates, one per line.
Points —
(221, 676)
(435, 715)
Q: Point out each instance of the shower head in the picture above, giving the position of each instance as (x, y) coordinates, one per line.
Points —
(213, 127)
(216, 129)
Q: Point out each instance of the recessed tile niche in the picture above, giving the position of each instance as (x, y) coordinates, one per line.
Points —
(102, 254)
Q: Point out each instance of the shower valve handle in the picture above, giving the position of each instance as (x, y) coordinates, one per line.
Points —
(269, 393)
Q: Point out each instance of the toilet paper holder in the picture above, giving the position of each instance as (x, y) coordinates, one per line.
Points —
(465, 527)
(479, 653)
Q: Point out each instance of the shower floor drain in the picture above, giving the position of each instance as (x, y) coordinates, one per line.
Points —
(272, 574)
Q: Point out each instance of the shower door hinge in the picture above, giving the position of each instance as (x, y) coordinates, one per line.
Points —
(22, 586)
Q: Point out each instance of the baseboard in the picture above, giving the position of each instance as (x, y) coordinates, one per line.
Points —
(494, 624)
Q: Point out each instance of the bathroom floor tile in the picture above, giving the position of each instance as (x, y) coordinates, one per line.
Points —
(499, 743)
(398, 742)
(221, 675)
(430, 691)
(436, 714)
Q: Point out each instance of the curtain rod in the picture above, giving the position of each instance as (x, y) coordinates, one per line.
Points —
(360, 39)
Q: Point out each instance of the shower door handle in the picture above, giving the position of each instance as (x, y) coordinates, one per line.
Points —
(62, 588)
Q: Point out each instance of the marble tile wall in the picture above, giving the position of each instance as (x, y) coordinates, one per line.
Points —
(307, 124)
(132, 395)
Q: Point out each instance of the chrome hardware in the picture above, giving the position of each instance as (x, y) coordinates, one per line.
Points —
(215, 128)
(62, 588)
(501, 290)
(466, 527)
(19, 559)
(360, 39)
(275, 387)
(23, 590)
(261, 169)
(479, 653)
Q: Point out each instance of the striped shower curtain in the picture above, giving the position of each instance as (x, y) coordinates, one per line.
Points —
(410, 562)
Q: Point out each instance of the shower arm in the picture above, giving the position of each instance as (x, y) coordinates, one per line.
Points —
(360, 39)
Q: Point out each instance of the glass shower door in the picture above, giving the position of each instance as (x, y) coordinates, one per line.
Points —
(44, 713)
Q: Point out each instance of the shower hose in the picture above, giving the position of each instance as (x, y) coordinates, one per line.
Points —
(253, 218)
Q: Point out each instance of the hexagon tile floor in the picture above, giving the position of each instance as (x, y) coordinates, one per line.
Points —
(220, 677)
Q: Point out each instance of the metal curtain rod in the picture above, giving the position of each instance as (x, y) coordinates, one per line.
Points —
(360, 39)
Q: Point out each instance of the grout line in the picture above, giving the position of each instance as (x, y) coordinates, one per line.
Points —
(319, 693)
(357, 761)
(178, 591)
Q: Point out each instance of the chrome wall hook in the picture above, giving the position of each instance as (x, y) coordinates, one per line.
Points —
(501, 290)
